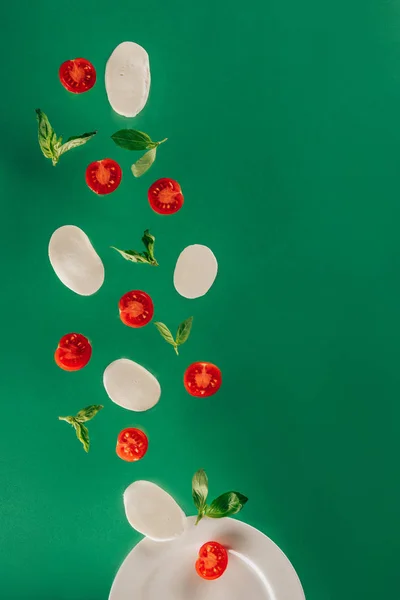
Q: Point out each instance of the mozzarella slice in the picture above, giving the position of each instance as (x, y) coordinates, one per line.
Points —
(153, 512)
(130, 385)
(75, 261)
(195, 271)
(128, 79)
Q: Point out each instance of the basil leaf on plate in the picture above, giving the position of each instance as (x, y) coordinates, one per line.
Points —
(144, 163)
(88, 413)
(200, 490)
(184, 330)
(226, 505)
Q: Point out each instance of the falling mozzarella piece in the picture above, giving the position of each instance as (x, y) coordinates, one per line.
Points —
(128, 79)
(130, 385)
(75, 261)
(195, 271)
(153, 512)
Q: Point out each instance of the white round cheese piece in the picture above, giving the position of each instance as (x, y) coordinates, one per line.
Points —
(128, 79)
(153, 512)
(75, 261)
(130, 385)
(195, 271)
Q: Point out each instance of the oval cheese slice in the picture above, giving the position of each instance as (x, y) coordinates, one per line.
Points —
(195, 271)
(130, 385)
(153, 512)
(75, 261)
(128, 79)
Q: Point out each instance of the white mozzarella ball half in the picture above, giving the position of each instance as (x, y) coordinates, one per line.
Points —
(130, 385)
(128, 79)
(195, 271)
(75, 261)
(153, 512)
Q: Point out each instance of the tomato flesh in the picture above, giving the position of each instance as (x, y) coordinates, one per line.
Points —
(212, 561)
(103, 176)
(202, 379)
(132, 444)
(73, 352)
(136, 308)
(165, 196)
(77, 75)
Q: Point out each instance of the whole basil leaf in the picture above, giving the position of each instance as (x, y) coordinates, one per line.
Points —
(200, 489)
(131, 255)
(141, 257)
(226, 505)
(74, 142)
(165, 332)
(184, 330)
(48, 141)
(82, 434)
(144, 163)
(131, 139)
(88, 413)
(148, 241)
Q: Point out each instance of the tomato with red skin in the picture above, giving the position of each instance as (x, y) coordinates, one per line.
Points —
(103, 176)
(212, 561)
(165, 196)
(132, 444)
(202, 379)
(73, 352)
(136, 308)
(77, 75)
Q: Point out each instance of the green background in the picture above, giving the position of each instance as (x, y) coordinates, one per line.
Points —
(283, 126)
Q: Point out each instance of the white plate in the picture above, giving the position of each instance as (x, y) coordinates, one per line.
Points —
(257, 568)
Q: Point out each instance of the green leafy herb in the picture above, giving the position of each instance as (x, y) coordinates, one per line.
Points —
(144, 163)
(181, 335)
(141, 257)
(225, 505)
(77, 421)
(51, 145)
(130, 139)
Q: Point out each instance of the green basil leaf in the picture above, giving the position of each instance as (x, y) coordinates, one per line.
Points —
(130, 139)
(69, 420)
(88, 413)
(165, 332)
(148, 241)
(48, 141)
(131, 255)
(144, 163)
(200, 489)
(226, 505)
(184, 331)
(74, 142)
(82, 434)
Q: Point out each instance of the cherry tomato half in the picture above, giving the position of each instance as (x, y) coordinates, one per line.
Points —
(77, 75)
(73, 352)
(202, 379)
(103, 176)
(132, 444)
(212, 561)
(165, 196)
(136, 308)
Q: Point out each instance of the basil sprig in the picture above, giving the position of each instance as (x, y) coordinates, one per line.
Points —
(51, 145)
(141, 257)
(182, 334)
(82, 432)
(226, 505)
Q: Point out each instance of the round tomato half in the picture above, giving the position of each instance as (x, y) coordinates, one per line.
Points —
(136, 308)
(77, 75)
(212, 561)
(202, 379)
(103, 176)
(165, 196)
(132, 444)
(73, 352)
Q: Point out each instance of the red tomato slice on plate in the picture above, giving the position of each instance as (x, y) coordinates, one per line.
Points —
(103, 176)
(132, 444)
(212, 561)
(73, 352)
(136, 308)
(202, 379)
(165, 196)
(77, 75)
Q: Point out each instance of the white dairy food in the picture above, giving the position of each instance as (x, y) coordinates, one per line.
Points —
(128, 79)
(153, 512)
(75, 261)
(195, 271)
(130, 385)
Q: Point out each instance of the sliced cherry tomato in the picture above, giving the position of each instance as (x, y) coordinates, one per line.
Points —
(136, 308)
(77, 75)
(212, 561)
(103, 176)
(132, 444)
(73, 352)
(202, 379)
(165, 196)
